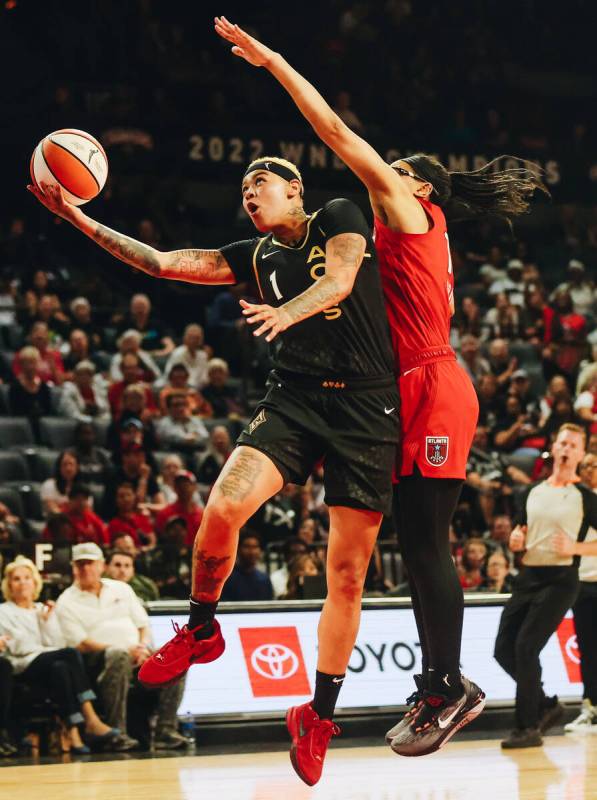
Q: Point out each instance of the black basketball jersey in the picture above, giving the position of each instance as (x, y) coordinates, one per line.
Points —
(348, 340)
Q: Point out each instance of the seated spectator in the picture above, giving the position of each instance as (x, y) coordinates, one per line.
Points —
(50, 313)
(224, 399)
(130, 429)
(471, 359)
(581, 290)
(516, 430)
(556, 387)
(55, 491)
(94, 463)
(192, 354)
(468, 320)
(106, 622)
(88, 526)
(472, 566)
(211, 461)
(170, 566)
(585, 404)
(300, 567)
(512, 285)
(154, 338)
(11, 537)
(29, 395)
(500, 363)
(568, 340)
(503, 320)
(179, 430)
(38, 655)
(129, 519)
(78, 350)
(498, 578)
(536, 316)
(59, 530)
(178, 383)
(293, 547)
(247, 582)
(120, 566)
(51, 368)
(562, 412)
(131, 377)
(185, 485)
(499, 531)
(130, 343)
(171, 465)
(7, 748)
(84, 397)
(82, 320)
(520, 385)
(490, 402)
(134, 469)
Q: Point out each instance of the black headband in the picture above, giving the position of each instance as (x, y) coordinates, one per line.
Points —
(421, 169)
(272, 166)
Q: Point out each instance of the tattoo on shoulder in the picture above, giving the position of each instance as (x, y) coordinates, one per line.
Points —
(241, 477)
(129, 250)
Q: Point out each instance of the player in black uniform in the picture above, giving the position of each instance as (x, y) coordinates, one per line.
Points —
(331, 397)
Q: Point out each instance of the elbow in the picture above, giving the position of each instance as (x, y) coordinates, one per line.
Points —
(332, 129)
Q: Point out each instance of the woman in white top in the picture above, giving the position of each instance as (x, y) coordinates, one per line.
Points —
(192, 354)
(85, 398)
(54, 491)
(36, 651)
(130, 342)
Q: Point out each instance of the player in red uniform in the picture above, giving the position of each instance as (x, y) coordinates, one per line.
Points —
(438, 403)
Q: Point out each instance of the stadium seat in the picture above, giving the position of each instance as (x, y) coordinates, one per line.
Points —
(4, 398)
(13, 466)
(15, 431)
(9, 495)
(13, 336)
(55, 395)
(43, 463)
(29, 494)
(57, 432)
(101, 431)
(525, 352)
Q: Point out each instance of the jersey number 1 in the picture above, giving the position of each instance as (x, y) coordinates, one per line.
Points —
(274, 284)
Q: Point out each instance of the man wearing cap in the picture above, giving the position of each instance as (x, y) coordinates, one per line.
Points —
(84, 398)
(106, 622)
(581, 290)
(185, 484)
(512, 285)
(180, 430)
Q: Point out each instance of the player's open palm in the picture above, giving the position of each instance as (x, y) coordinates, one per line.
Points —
(245, 46)
(53, 199)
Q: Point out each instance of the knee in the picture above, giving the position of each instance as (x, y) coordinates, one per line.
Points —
(345, 579)
(223, 514)
(527, 653)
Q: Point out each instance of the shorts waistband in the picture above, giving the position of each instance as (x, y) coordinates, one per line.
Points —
(333, 383)
(429, 356)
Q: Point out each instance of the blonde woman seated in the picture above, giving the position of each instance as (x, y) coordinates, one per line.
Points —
(36, 651)
(299, 568)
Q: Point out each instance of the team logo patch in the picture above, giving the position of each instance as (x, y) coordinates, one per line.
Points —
(255, 423)
(436, 450)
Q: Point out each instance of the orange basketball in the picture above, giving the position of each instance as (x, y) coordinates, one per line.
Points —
(73, 160)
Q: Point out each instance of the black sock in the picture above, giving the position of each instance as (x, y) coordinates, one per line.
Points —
(327, 689)
(202, 614)
(448, 684)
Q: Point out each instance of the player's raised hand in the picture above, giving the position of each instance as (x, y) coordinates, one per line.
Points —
(53, 199)
(274, 320)
(245, 46)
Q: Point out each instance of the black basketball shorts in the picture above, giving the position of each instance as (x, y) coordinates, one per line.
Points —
(349, 426)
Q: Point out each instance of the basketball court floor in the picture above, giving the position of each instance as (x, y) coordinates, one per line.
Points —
(565, 768)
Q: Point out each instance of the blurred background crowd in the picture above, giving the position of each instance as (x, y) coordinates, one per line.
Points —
(121, 396)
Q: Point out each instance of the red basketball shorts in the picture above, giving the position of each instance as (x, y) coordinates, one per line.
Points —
(438, 416)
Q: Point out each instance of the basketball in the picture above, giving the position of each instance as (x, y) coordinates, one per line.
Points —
(72, 159)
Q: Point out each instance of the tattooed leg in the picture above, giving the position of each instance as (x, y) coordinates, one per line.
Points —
(246, 482)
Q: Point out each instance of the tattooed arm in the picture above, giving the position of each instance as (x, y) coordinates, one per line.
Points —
(343, 256)
(192, 266)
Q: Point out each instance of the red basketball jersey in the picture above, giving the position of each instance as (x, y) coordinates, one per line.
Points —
(418, 284)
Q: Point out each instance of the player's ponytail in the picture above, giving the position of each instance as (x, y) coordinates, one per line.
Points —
(504, 193)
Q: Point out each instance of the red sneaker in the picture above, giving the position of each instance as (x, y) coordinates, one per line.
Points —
(168, 664)
(310, 739)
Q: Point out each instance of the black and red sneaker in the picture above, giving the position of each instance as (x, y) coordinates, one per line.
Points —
(310, 739)
(415, 700)
(168, 664)
(437, 720)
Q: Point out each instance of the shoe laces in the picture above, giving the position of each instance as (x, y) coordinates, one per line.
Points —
(323, 732)
(179, 635)
(416, 701)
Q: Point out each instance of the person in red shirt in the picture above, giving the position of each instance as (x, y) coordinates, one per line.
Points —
(130, 520)
(131, 371)
(51, 368)
(439, 408)
(185, 484)
(88, 527)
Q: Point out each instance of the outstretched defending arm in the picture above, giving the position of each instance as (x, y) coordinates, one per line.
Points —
(192, 266)
(386, 189)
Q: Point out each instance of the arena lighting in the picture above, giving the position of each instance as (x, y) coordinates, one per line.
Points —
(10, 4)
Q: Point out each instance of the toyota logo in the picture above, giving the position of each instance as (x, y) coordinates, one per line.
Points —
(572, 650)
(274, 661)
